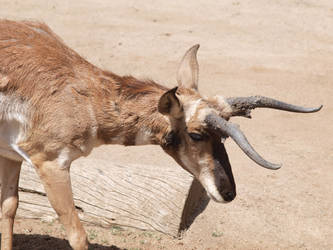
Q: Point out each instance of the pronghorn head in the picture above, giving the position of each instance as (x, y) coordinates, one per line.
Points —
(199, 127)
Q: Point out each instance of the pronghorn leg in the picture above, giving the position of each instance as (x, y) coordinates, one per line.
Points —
(9, 177)
(57, 185)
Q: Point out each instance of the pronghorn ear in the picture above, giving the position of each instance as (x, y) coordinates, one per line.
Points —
(188, 71)
(170, 105)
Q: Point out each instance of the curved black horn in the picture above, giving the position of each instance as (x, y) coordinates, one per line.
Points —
(219, 124)
(242, 106)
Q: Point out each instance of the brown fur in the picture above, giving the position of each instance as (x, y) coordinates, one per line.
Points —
(42, 70)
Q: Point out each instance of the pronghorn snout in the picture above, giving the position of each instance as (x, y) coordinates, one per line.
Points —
(226, 187)
(228, 196)
(217, 178)
(218, 187)
(224, 179)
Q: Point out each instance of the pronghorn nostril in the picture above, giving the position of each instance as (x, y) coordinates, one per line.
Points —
(229, 196)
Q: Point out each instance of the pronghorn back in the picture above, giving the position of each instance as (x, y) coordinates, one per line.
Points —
(34, 59)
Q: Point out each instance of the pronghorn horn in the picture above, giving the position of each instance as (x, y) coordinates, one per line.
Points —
(218, 124)
(242, 106)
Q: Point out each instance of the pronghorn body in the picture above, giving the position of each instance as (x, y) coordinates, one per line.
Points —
(56, 107)
(47, 84)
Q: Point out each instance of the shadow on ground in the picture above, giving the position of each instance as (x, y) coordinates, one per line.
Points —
(45, 242)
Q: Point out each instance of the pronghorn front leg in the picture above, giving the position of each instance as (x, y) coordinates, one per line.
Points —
(57, 185)
(9, 174)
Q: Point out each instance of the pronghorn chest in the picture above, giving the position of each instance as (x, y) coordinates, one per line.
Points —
(70, 138)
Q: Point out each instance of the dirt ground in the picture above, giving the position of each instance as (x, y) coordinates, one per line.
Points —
(281, 49)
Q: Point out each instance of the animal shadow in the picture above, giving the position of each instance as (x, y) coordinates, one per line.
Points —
(45, 242)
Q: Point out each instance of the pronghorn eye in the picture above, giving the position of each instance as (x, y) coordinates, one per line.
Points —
(195, 136)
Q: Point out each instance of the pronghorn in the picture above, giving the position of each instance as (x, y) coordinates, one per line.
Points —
(55, 107)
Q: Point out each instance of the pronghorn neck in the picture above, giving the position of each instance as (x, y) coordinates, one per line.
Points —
(129, 114)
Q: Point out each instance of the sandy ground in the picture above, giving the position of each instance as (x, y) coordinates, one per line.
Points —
(281, 49)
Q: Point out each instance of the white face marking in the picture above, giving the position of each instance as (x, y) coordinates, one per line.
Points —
(208, 181)
(204, 112)
(143, 136)
(191, 109)
(206, 177)
(14, 122)
(221, 101)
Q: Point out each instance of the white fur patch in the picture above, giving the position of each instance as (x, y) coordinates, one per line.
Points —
(223, 104)
(204, 112)
(191, 109)
(4, 80)
(66, 157)
(206, 177)
(208, 181)
(23, 154)
(14, 122)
